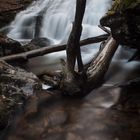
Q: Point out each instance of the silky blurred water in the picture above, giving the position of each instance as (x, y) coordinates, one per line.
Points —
(56, 23)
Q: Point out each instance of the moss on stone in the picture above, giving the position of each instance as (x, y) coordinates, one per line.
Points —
(122, 5)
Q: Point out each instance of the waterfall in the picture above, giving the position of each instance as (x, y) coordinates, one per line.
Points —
(57, 19)
(56, 22)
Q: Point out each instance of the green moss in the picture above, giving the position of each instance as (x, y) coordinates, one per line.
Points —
(122, 5)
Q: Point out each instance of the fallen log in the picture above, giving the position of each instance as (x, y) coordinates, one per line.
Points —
(51, 49)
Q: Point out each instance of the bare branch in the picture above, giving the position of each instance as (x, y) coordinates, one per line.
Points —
(104, 29)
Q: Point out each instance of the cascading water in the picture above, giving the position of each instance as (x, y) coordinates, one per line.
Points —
(56, 21)
(57, 17)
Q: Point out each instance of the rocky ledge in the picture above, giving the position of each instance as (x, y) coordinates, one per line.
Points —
(124, 20)
(9, 8)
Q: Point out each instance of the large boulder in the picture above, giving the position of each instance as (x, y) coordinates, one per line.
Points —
(124, 21)
(15, 86)
(9, 46)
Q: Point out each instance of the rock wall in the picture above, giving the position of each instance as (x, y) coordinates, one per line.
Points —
(9, 8)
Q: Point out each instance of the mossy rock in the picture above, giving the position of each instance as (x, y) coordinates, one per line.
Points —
(122, 5)
(16, 85)
(124, 21)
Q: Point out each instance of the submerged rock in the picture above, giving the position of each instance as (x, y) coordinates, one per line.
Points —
(129, 100)
(37, 43)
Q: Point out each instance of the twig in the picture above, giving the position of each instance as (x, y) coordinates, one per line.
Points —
(104, 29)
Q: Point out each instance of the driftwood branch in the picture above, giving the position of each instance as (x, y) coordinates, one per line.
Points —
(51, 49)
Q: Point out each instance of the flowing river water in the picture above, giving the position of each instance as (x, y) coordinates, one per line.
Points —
(58, 118)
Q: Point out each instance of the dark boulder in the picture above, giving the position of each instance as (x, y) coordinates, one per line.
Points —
(37, 43)
(40, 42)
(9, 9)
(124, 23)
(15, 86)
(9, 46)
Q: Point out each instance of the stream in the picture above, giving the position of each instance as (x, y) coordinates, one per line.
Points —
(52, 117)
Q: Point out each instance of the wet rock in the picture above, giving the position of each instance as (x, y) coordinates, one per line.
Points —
(15, 86)
(129, 100)
(40, 42)
(20, 79)
(37, 43)
(124, 21)
(9, 46)
(8, 9)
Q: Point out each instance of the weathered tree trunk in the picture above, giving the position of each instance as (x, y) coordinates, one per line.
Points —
(71, 83)
(73, 47)
(99, 66)
(95, 72)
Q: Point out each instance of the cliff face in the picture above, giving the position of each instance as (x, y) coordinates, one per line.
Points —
(124, 20)
(9, 8)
